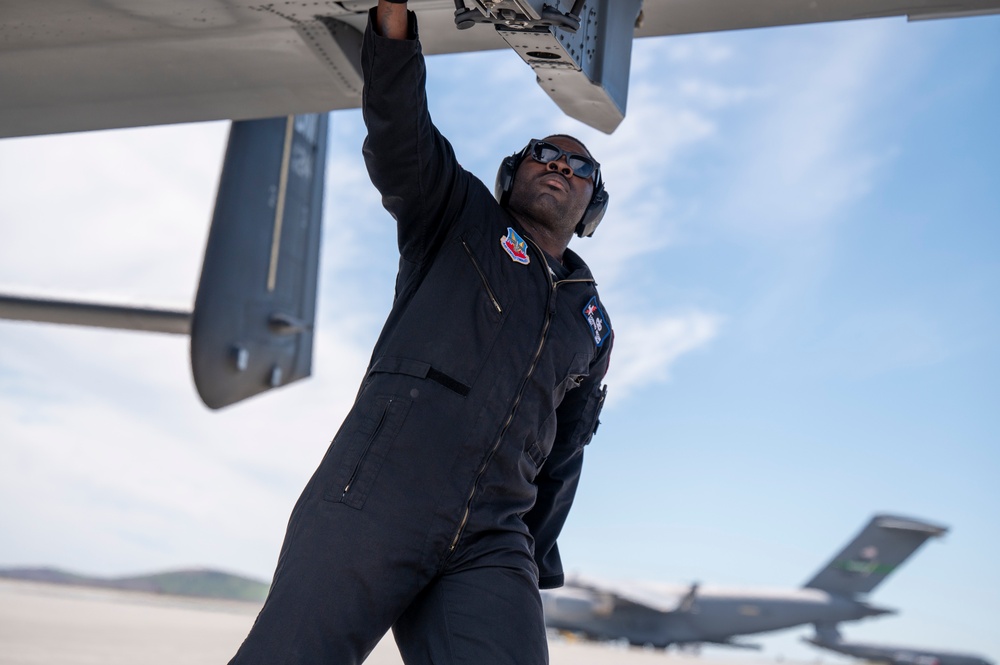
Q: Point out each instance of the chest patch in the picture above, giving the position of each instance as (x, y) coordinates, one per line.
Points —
(595, 319)
(515, 246)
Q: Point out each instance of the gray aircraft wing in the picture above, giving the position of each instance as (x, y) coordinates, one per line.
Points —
(656, 597)
(829, 637)
(75, 65)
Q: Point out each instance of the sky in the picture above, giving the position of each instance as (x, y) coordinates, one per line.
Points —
(801, 260)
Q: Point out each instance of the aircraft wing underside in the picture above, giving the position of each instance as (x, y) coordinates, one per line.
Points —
(76, 65)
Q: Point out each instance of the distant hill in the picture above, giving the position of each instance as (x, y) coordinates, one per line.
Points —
(198, 583)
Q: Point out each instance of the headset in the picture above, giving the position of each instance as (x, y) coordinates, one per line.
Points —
(591, 216)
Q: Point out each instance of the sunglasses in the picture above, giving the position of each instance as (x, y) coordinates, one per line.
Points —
(544, 152)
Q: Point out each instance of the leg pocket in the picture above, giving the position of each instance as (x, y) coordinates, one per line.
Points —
(372, 441)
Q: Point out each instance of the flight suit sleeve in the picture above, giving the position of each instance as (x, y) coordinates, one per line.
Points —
(411, 164)
(577, 421)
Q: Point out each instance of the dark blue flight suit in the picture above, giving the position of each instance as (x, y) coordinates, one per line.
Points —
(436, 508)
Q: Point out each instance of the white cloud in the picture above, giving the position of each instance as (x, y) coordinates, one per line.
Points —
(712, 95)
(687, 50)
(640, 220)
(645, 349)
(798, 159)
(120, 214)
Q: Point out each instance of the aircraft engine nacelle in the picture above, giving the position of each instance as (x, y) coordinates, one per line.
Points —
(581, 54)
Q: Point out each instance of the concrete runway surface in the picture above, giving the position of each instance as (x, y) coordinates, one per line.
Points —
(45, 624)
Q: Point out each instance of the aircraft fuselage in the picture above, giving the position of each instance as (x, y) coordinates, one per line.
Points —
(709, 615)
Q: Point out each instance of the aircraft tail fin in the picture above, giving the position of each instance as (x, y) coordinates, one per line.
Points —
(252, 326)
(881, 547)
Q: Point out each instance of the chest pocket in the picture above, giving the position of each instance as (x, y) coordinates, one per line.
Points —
(454, 316)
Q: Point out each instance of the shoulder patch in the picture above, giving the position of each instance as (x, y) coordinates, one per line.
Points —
(595, 319)
(515, 246)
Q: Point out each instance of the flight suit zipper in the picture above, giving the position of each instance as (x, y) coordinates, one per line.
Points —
(550, 311)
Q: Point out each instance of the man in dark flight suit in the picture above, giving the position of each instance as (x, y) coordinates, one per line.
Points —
(436, 509)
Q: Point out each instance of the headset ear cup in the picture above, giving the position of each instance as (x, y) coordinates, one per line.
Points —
(594, 213)
(505, 178)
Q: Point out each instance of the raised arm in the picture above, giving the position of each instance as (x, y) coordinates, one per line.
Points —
(409, 162)
(391, 20)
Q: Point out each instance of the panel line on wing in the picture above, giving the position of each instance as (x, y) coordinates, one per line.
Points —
(279, 213)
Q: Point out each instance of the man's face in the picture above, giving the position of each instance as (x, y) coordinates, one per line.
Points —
(551, 194)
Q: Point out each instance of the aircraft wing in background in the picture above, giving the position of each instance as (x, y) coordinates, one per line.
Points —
(828, 637)
(661, 598)
(76, 65)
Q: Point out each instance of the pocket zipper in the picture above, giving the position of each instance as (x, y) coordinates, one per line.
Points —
(368, 445)
(482, 276)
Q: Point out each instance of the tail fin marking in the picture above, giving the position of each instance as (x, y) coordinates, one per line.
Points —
(881, 547)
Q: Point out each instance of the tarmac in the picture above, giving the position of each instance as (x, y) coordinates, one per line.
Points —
(47, 624)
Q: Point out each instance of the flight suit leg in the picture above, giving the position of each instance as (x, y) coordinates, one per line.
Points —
(338, 587)
(488, 615)
(345, 573)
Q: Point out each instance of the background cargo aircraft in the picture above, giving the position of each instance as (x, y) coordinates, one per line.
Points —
(661, 615)
(828, 637)
(77, 65)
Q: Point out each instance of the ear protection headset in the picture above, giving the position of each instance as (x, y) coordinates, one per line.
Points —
(591, 216)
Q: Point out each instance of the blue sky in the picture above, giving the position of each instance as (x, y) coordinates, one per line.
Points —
(801, 261)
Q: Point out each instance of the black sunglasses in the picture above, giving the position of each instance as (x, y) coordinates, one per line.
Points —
(544, 152)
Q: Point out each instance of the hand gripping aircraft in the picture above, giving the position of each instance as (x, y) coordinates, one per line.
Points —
(828, 637)
(277, 68)
(661, 615)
